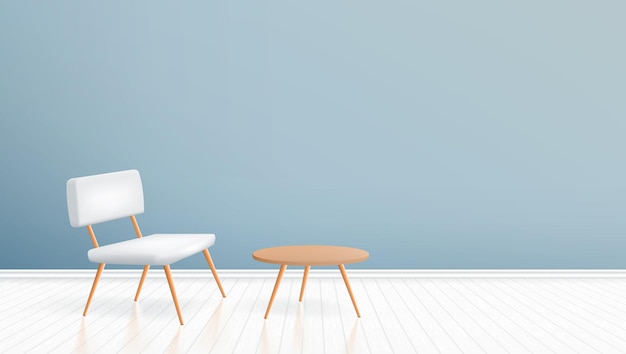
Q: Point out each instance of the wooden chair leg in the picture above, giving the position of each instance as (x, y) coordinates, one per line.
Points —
(306, 274)
(93, 287)
(345, 279)
(207, 255)
(168, 274)
(280, 276)
(143, 277)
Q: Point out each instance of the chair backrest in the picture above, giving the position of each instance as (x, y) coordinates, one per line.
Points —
(99, 198)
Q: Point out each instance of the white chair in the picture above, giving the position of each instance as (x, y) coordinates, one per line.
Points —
(105, 197)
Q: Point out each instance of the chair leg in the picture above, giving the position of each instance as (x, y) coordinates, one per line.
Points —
(168, 274)
(143, 277)
(93, 287)
(345, 279)
(306, 274)
(280, 276)
(207, 255)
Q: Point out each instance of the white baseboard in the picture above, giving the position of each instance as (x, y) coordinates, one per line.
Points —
(320, 273)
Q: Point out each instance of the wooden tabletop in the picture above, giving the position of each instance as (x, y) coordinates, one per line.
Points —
(312, 255)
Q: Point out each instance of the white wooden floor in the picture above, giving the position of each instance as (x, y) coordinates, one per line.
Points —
(399, 315)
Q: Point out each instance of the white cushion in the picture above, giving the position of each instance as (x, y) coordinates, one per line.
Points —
(157, 249)
(99, 198)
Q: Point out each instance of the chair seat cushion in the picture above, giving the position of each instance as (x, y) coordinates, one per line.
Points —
(157, 249)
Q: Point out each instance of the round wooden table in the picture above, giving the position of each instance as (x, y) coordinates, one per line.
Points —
(308, 255)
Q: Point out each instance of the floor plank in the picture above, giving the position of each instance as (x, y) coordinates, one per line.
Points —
(567, 310)
(490, 319)
(540, 314)
(475, 329)
(527, 329)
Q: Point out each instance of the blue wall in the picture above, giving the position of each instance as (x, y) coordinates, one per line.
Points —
(435, 134)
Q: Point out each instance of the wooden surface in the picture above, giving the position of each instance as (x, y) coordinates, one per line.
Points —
(401, 315)
(311, 255)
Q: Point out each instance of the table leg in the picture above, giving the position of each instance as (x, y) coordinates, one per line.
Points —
(306, 274)
(280, 276)
(345, 279)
